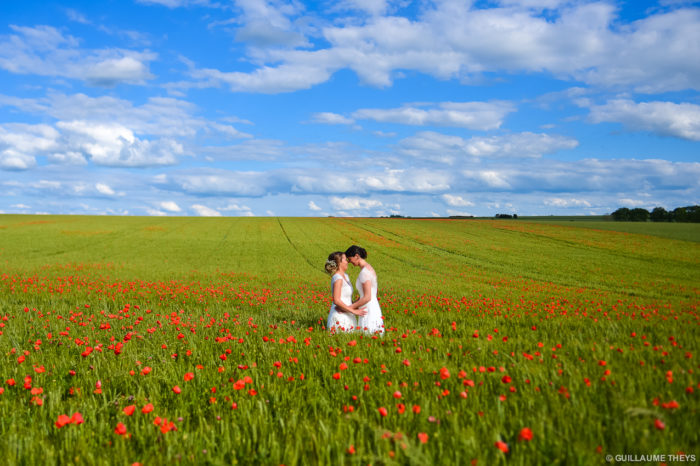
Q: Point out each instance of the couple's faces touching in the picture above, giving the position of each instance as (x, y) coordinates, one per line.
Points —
(354, 260)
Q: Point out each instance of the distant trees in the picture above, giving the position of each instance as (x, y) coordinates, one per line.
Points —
(658, 214)
(506, 216)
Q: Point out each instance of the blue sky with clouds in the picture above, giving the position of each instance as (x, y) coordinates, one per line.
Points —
(348, 107)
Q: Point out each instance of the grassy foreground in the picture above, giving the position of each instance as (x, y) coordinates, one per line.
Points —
(202, 340)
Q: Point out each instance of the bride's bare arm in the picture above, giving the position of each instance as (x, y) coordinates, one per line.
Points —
(366, 295)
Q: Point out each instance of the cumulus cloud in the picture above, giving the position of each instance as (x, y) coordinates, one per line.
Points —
(104, 189)
(458, 213)
(170, 206)
(158, 116)
(456, 201)
(448, 148)
(331, 119)
(204, 211)
(312, 206)
(116, 145)
(663, 118)
(471, 115)
(45, 51)
(354, 203)
(461, 40)
(21, 143)
(564, 202)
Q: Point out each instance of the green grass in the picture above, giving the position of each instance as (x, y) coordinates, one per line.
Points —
(589, 325)
(679, 231)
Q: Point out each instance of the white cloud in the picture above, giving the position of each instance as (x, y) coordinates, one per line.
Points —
(312, 206)
(447, 148)
(332, 119)
(204, 211)
(116, 145)
(471, 115)
(155, 212)
(563, 202)
(45, 51)
(219, 182)
(170, 206)
(104, 189)
(458, 213)
(159, 116)
(663, 118)
(456, 201)
(354, 203)
(584, 41)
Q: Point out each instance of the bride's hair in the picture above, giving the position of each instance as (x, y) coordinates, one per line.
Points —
(333, 262)
(353, 250)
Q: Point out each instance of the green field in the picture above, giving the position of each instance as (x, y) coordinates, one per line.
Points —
(586, 336)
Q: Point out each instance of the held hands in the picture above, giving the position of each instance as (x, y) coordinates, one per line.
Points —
(359, 312)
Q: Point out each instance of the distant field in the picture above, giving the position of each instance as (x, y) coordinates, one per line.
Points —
(203, 341)
(680, 231)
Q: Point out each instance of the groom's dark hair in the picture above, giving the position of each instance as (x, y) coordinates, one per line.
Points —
(353, 250)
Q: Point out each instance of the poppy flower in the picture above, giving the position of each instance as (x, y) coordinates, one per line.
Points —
(77, 419)
(147, 409)
(120, 429)
(62, 420)
(416, 409)
(502, 446)
(671, 405)
(525, 434)
(423, 437)
(658, 423)
(176, 390)
(189, 376)
(383, 411)
(129, 410)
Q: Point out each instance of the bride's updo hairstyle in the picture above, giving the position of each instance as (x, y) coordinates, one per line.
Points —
(333, 262)
(353, 250)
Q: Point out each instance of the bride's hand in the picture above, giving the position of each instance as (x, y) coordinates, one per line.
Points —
(360, 312)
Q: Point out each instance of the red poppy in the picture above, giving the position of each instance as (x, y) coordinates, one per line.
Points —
(62, 420)
(129, 410)
(423, 437)
(77, 419)
(525, 434)
(383, 411)
(176, 390)
(416, 409)
(189, 376)
(502, 446)
(658, 423)
(120, 429)
(671, 405)
(147, 409)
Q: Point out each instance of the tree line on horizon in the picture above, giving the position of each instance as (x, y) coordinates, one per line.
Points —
(687, 214)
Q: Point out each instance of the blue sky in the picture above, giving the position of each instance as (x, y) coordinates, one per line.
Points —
(348, 107)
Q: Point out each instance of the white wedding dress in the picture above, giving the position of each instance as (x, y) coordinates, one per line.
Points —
(372, 322)
(341, 321)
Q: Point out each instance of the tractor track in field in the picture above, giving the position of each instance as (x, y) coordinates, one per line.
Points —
(291, 243)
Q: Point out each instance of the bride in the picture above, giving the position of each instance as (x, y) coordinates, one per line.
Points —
(366, 285)
(341, 317)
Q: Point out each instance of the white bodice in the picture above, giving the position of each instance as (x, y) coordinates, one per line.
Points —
(346, 290)
(366, 274)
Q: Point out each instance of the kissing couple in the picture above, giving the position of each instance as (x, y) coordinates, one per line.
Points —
(347, 315)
